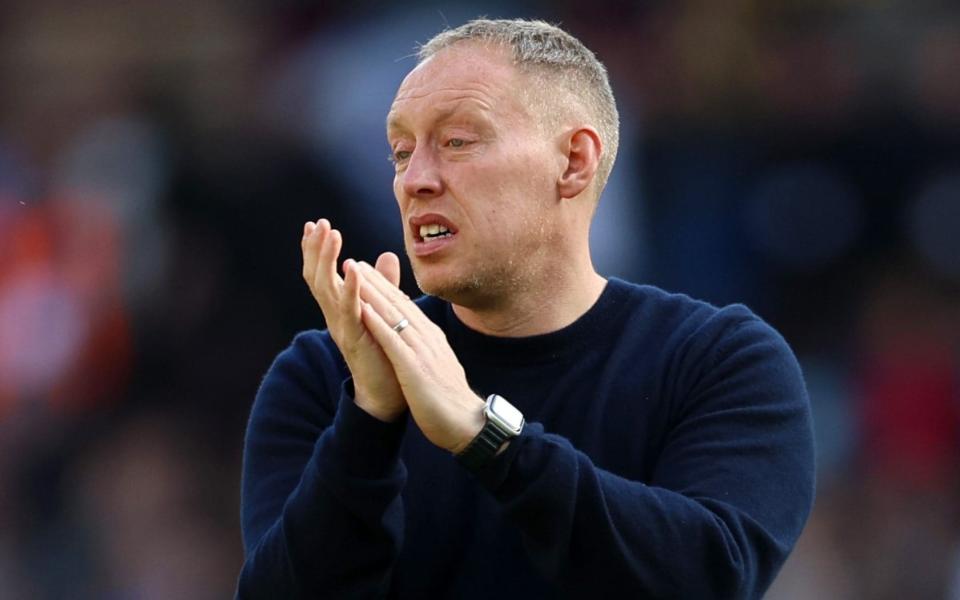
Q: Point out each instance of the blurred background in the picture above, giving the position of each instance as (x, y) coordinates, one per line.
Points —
(158, 160)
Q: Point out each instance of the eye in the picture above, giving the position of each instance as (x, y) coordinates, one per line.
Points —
(457, 143)
(399, 156)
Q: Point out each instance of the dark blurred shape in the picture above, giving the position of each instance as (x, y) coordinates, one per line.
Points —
(803, 215)
(143, 504)
(934, 225)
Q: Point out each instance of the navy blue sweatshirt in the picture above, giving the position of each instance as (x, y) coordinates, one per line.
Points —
(667, 454)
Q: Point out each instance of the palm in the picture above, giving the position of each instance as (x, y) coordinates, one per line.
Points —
(376, 386)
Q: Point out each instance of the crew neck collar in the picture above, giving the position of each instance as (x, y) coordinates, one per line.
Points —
(592, 325)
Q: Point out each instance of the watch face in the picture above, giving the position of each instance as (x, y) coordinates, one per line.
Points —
(504, 412)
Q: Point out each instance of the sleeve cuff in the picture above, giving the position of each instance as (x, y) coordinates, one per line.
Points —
(362, 444)
(492, 475)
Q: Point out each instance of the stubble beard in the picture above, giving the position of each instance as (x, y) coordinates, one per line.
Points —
(482, 287)
(495, 281)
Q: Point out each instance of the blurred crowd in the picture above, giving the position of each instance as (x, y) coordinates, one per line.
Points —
(158, 160)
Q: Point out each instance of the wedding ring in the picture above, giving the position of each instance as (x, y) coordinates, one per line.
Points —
(403, 324)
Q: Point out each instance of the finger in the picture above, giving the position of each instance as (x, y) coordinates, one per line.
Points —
(396, 348)
(350, 300)
(386, 287)
(351, 289)
(395, 296)
(308, 228)
(307, 249)
(327, 280)
(390, 313)
(313, 235)
(389, 266)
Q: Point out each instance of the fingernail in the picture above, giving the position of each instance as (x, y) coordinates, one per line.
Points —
(307, 228)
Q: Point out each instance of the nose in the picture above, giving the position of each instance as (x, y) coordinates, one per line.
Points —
(421, 178)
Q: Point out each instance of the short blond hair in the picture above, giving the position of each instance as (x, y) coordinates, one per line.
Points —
(546, 51)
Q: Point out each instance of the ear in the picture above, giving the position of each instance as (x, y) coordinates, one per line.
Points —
(582, 149)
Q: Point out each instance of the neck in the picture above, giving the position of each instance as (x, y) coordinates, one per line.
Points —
(552, 303)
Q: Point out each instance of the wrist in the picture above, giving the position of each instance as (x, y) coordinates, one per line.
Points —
(474, 420)
(379, 410)
(502, 423)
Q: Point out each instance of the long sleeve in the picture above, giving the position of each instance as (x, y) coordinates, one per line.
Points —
(321, 509)
(728, 494)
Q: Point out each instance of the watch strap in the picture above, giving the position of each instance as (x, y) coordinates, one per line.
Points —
(485, 446)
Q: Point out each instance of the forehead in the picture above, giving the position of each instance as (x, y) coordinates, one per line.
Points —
(466, 76)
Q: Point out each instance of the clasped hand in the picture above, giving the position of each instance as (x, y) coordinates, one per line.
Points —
(392, 370)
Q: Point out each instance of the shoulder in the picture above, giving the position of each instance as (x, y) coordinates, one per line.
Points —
(309, 350)
(309, 371)
(678, 316)
(700, 336)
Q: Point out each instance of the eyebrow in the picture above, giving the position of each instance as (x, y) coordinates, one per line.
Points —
(395, 123)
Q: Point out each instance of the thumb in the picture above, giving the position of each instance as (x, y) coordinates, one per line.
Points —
(389, 266)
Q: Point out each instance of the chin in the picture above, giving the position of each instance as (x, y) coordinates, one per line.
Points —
(450, 287)
(473, 291)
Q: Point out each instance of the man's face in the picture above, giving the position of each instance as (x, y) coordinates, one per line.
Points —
(475, 176)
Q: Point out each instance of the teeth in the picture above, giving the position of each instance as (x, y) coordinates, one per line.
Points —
(432, 229)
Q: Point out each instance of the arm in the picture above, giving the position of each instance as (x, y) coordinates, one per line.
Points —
(320, 499)
(320, 507)
(727, 500)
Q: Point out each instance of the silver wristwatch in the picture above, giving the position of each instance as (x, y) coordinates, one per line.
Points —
(504, 422)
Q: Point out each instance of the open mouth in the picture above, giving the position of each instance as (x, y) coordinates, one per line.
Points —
(433, 231)
(431, 228)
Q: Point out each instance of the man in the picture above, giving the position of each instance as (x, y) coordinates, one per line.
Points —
(528, 429)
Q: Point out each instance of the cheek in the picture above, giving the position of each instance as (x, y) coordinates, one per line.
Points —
(535, 168)
(398, 194)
